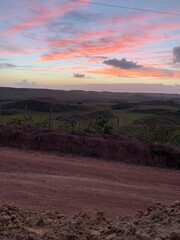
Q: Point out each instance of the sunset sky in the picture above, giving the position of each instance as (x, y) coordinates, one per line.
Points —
(63, 44)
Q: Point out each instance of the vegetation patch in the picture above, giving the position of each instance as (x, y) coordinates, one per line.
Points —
(139, 117)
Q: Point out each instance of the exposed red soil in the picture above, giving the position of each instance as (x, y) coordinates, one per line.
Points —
(114, 147)
(34, 180)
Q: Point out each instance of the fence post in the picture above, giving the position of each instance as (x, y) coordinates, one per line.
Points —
(25, 115)
(97, 122)
(50, 117)
(73, 119)
(142, 129)
(119, 123)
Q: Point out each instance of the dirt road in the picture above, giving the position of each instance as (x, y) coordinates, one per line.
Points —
(35, 180)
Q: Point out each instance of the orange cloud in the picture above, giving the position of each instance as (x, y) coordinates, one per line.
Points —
(138, 73)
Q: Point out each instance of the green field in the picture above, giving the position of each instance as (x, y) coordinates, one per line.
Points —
(153, 120)
(130, 117)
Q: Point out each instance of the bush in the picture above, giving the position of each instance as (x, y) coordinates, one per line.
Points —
(101, 125)
(121, 105)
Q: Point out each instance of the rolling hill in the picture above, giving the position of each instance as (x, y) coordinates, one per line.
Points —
(77, 95)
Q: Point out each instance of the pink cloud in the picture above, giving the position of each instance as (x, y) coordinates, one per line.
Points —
(132, 19)
(43, 16)
(111, 41)
(18, 50)
(82, 48)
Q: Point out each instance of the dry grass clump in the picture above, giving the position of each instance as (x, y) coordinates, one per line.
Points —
(158, 222)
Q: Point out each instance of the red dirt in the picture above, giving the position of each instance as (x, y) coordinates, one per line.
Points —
(35, 180)
(105, 146)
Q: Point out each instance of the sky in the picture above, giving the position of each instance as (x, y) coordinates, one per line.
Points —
(64, 44)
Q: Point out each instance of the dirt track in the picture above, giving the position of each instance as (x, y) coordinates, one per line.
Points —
(36, 180)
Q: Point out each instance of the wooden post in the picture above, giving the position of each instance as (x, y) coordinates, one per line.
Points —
(25, 116)
(142, 130)
(50, 117)
(119, 123)
(97, 122)
(73, 121)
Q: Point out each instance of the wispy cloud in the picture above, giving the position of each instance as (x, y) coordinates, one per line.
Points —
(109, 41)
(56, 37)
(46, 14)
(8, 49)
(5, 59)
(14, 66)
(153, 73)
(7, 65)
(86, 17)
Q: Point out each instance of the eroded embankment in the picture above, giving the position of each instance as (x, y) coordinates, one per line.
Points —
(97, 145)
(158, 222)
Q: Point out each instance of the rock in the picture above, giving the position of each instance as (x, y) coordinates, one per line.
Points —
(5, 218)
(111, 236)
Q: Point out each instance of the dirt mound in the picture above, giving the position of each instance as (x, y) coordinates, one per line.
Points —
(157, 222)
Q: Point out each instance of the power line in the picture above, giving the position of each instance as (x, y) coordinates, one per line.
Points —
(128, 8)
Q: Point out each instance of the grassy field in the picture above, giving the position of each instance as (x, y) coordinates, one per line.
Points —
(130, 117)
(157, 120)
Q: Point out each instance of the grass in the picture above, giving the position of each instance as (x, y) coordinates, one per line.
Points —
(130, 117)
(161, 127)
(9, 118)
